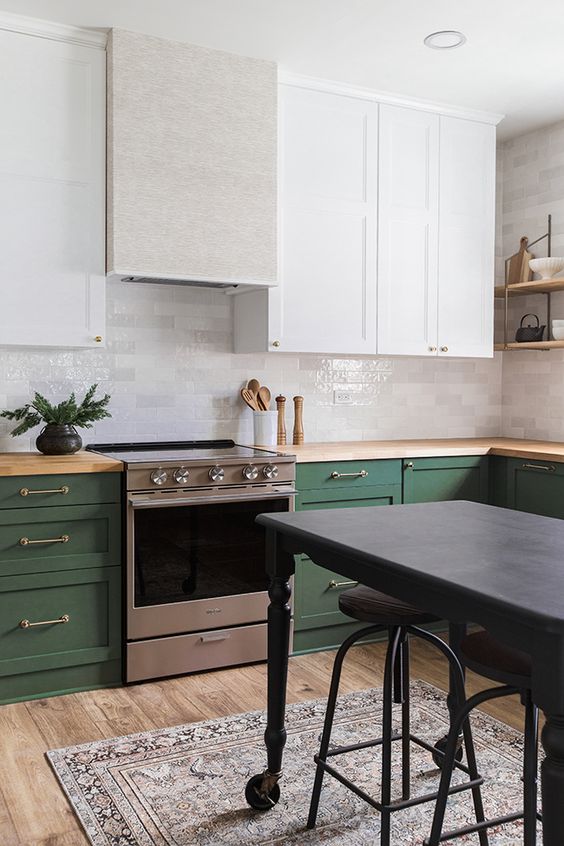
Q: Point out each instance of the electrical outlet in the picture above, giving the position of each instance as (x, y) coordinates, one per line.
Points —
(342, 398)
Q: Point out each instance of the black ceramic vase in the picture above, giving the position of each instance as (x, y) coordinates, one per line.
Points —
(58, 439)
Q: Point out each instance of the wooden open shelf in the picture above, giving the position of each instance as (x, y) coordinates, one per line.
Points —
(530, 345)
(537, 286)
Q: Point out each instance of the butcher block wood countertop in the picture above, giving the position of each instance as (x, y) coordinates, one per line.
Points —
(36, 464)
(441, 447)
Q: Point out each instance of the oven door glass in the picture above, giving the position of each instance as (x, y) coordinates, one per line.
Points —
(200, 551)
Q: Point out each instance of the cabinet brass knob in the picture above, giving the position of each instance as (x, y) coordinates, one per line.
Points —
(432, 349)
(444, 349)
(276, 343)
(98, 339)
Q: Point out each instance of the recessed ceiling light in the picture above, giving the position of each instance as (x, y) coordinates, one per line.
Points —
(445, 39)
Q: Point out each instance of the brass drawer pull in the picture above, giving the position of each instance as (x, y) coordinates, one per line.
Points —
(25, 624)
(549, 468)
(362, 474)
(27, 492)
(27, 542)
(333, 585)
(408, 465)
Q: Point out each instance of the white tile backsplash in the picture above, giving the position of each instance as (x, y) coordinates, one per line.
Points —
(532, 180)
(169, 368)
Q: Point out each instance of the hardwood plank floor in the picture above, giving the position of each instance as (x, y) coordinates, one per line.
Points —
(33, 809)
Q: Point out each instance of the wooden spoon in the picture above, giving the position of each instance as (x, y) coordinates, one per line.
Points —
(263, 398)
(253, 385)
(250, 398)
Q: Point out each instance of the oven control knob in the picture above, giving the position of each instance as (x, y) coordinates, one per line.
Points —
(216, 473)
(181, 475)
(250, 472)
(270, 471)
(158, 477)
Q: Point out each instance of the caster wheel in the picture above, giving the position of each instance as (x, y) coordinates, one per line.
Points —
(441, 746)
(258, 800)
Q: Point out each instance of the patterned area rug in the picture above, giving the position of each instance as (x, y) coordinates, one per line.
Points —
(184, 786)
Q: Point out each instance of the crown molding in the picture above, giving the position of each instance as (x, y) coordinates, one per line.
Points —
(53, 31)
(332, 87)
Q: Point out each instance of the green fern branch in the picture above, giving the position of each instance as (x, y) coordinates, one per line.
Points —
(66, 412)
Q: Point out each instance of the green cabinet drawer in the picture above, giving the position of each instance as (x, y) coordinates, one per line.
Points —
(316, 588)
(90, 598)
(439, 479)
(73, 489)
(93, 533)
(336, 475)
(317, 596)
(355, 498)
(535, 486)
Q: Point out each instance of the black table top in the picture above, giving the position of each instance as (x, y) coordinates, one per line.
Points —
(509, 561)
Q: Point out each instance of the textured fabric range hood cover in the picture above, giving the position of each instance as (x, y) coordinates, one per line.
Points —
(191, 164)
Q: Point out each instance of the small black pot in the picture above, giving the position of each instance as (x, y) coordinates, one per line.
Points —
(58, 439)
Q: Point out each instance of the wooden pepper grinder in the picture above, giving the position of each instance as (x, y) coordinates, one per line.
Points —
(281, 432)
(298, 420)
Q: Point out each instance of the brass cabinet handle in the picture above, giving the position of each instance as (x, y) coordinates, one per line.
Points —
(408, 465)
(276, 344)
(27, 542)
(25, 624)
(444, 349)
(333, 585)
(362, 474)
(432, 349)
(549, 468)
(27, 492)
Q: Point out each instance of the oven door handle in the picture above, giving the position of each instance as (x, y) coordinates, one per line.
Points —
(170, 502)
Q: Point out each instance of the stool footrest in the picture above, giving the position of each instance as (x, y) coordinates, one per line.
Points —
(471, 829)
(402, 803)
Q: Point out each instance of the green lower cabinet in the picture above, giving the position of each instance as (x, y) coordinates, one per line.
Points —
(318, 623)
(535, 486)
(440, 479)
(78, 641)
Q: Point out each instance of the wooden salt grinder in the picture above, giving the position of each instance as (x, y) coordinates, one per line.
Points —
(298, 420)
(281, 432)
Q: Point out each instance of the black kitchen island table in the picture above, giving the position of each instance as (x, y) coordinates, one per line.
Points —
(461, 560)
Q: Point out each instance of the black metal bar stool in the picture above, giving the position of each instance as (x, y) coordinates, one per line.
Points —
(400, 620)
(485, 655)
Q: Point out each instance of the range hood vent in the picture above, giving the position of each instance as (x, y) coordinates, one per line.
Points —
(192, 164)
(194, 283)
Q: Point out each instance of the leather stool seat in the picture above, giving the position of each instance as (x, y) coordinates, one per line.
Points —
(488, 657)
(372, 606)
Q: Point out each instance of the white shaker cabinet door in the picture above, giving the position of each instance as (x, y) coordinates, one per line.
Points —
(466, 238)
(326, 301)
(408, 231)
(52, 174)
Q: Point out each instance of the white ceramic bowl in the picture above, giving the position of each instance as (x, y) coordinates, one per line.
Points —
(547, 267)
(558, 333)
(558, 322)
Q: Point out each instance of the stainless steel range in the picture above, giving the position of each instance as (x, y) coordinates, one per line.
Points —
(196, 588)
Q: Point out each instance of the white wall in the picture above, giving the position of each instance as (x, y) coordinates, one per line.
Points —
(532, 180)
(169, 368)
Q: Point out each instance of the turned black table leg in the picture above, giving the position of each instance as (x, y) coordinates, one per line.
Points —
(552, 777)
(262, 791)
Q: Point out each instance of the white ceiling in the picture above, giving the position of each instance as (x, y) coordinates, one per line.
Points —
(512, 62)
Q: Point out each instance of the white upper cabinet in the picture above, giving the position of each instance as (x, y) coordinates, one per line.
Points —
(326, 300)
(52, 187)
(466, 237)
(408, 231)
(386, 229)
(436, 234)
